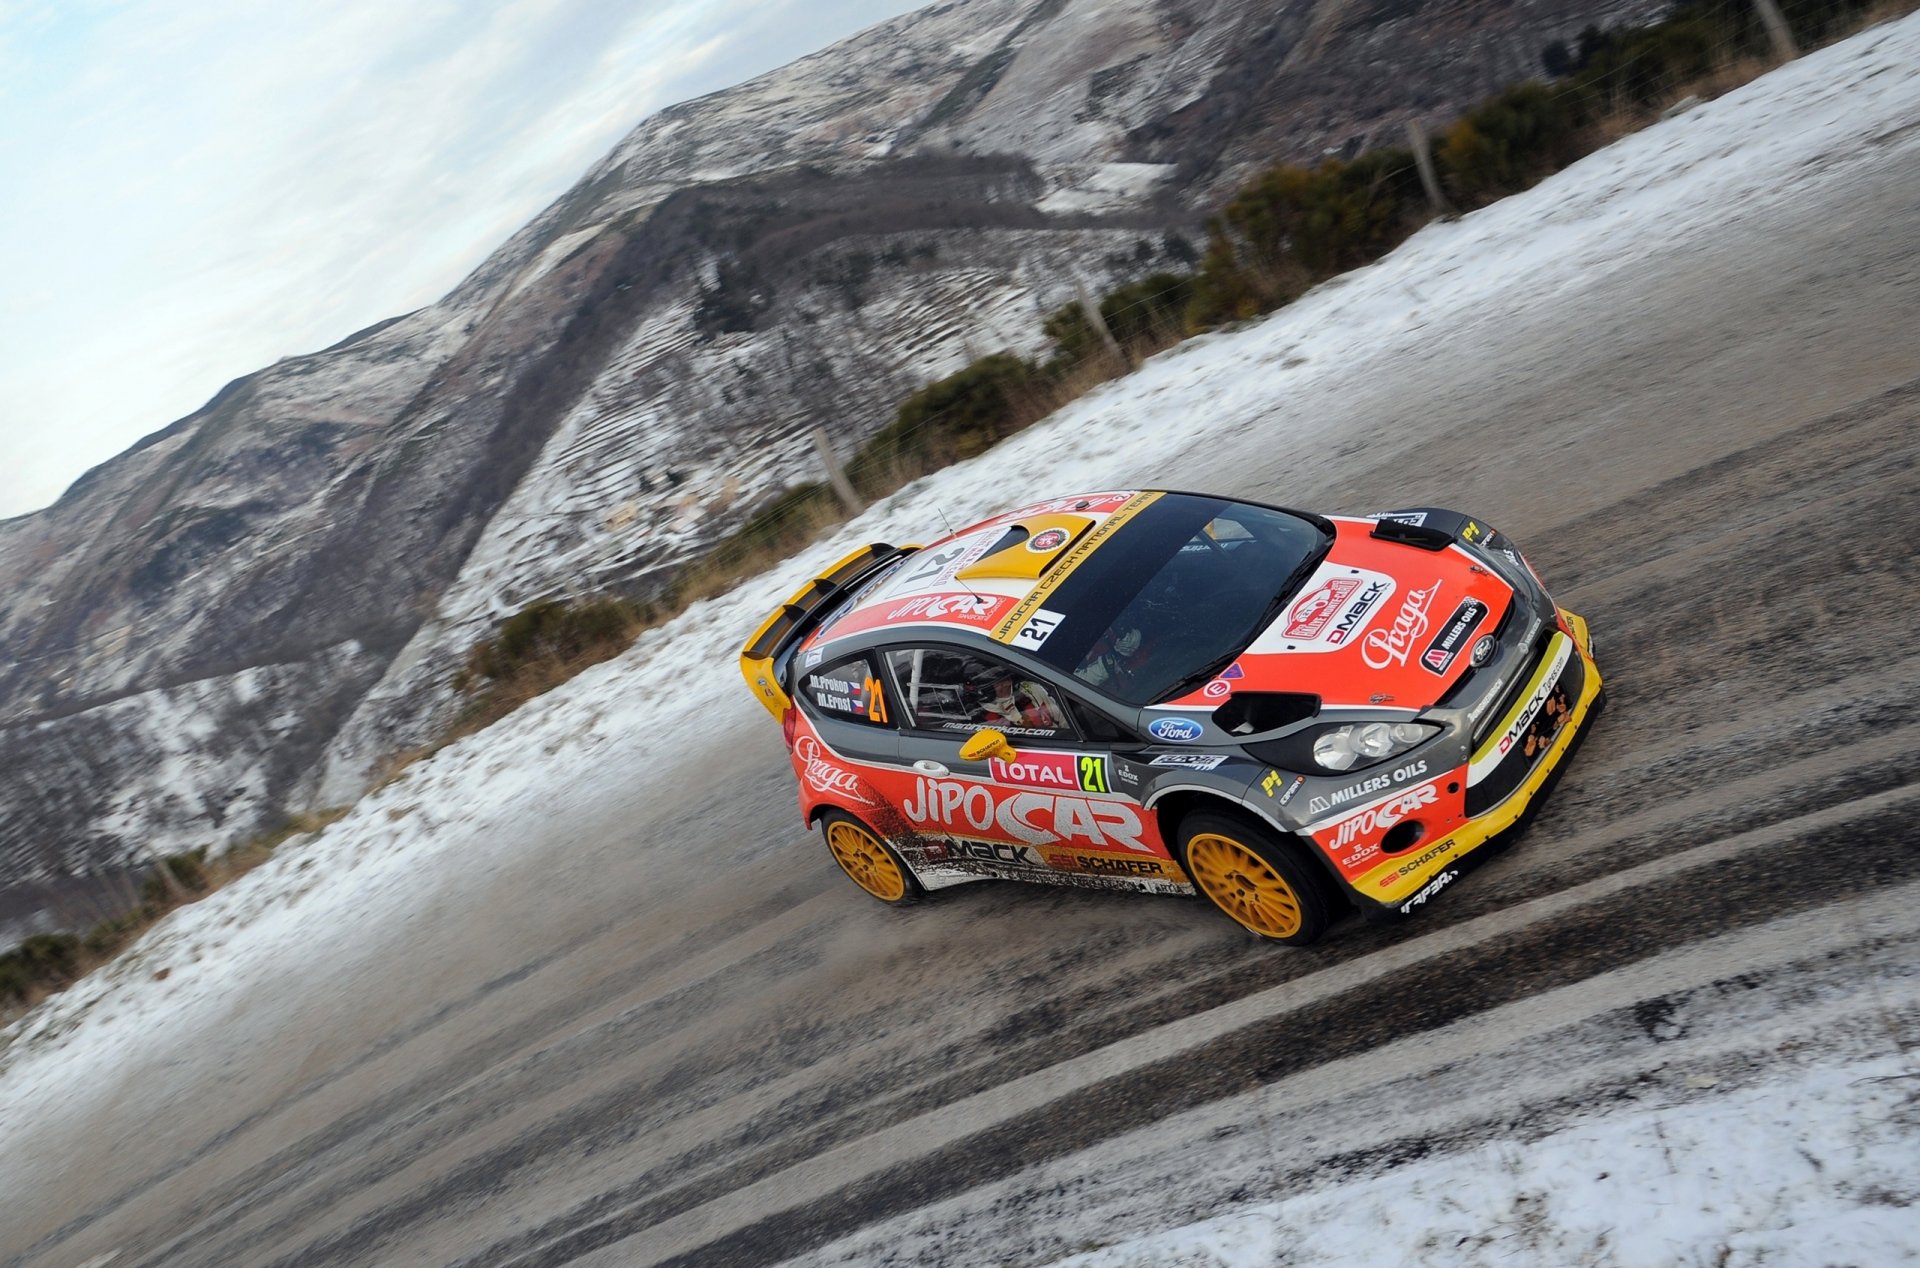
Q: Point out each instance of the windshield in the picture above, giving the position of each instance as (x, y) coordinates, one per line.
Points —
(1177, 593)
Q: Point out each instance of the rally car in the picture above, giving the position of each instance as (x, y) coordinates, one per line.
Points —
(1175, 692)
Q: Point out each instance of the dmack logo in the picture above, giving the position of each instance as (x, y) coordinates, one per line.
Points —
(822, 775)
(1036, 818)
(1390, 646)
(1383, 816)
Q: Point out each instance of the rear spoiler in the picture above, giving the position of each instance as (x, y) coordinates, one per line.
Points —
(794, 618)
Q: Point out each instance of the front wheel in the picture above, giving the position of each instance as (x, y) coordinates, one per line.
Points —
(868, 860)
(1261, 885)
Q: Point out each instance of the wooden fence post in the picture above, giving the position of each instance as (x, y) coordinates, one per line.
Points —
(1776, 24)
(1099, 324)
(836, 474)
(1423, 159)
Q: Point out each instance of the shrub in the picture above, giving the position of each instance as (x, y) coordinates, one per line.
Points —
(1225, 289)
(176, 876)
(552, 630)
(108, 936)
(46, 961)
(953, 418)
(1074, 338)
(1331, 217)
(1149, 310)
(16, 983)
(789, 520)
(1510, 143)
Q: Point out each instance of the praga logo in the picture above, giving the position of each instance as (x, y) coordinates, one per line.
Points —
(1390, 646)
(1033, 818)
(1379, 818)
(822, 775)
(1091, 504)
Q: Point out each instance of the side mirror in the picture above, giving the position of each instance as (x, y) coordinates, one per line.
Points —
(985, 744)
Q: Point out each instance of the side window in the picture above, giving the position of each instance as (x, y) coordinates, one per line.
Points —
(848, 690)
(961, 692)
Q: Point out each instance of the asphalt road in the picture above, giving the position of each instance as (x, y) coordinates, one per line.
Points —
(726, 1055)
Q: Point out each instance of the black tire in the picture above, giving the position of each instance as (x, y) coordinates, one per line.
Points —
(869, 862)
(1259, 882)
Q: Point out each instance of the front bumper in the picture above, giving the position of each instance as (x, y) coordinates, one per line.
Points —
(1520, 758)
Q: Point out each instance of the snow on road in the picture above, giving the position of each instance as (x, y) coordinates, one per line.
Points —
(222, 964)
(1818, 1168)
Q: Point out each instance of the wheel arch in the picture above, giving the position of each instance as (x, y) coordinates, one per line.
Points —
(1178, 803)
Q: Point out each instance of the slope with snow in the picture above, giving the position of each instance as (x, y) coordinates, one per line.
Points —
(163, 1105)
(636, 371)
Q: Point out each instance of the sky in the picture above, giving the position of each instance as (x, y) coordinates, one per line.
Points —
(189, 192)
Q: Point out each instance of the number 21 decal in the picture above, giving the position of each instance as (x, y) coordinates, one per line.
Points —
(1039, 627)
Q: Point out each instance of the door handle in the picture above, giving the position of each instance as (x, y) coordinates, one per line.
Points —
(927, 766)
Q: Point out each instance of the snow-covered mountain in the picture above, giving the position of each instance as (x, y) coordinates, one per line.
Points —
(243, 612)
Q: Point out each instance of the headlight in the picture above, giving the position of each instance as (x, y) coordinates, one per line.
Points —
(1359, 744)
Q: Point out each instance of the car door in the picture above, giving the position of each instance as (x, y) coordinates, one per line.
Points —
(1054, 807)
(845, 740)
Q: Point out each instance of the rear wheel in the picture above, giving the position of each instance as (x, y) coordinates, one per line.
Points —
(1261, 885)
(868, 860)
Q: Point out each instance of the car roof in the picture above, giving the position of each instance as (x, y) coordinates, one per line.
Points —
(991, 578)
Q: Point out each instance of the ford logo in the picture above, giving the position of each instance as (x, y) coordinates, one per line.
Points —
(1482, 651)
(1177, 730)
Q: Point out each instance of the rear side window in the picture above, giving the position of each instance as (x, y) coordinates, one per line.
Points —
(848, 690)
(961, 692)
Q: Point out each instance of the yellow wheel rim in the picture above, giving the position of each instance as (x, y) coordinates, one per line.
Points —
(863, 858)
(1244, 885)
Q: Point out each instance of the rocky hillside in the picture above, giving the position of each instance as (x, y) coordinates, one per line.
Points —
(244, 611)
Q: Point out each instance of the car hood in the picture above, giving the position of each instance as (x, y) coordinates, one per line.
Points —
(1379, 622)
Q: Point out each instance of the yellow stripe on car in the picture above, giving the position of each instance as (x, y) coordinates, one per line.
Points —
(1063, 568)
(1417, 868)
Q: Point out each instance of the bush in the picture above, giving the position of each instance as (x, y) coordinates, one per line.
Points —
(108, 936)
(1150, 310)
(46, 961)
(788, 521)
(16, 983)
(1225, 289)
(1331, 217)
(1074, 338)
(549, 631)
(1510, 143)
(953, 418)
(177, 874)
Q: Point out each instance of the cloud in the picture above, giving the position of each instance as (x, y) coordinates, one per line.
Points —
(198, 190)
